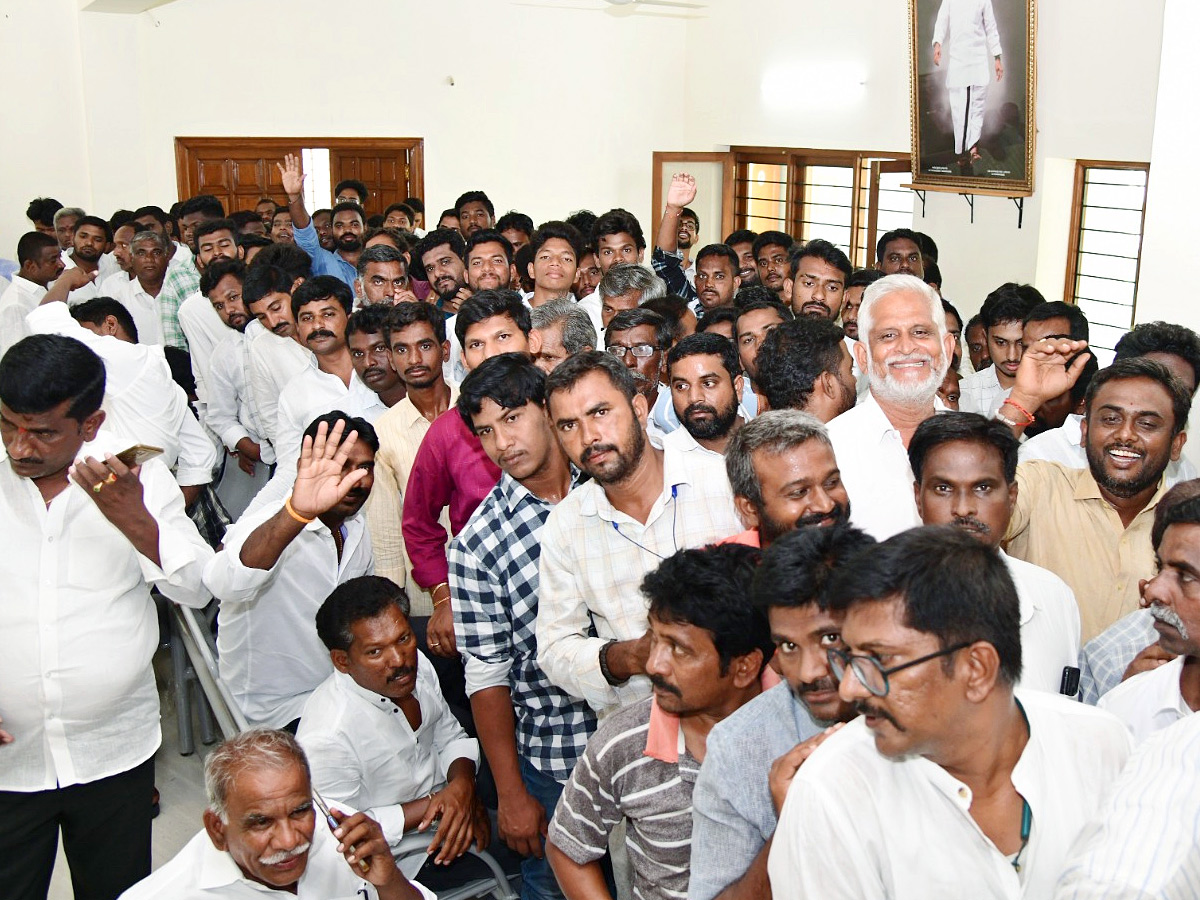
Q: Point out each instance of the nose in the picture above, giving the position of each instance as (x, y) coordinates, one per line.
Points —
(21, 445)
(962, 503)
(503, 439)
(1156, 590)
(656, 662)
(1013, 352)
(814, 667)
(629, 359)
(820, 501)
(850, 688)
(818, 292)
(1127, 431)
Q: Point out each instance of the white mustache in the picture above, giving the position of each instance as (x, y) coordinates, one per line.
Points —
(283, 855)
(1168, 616)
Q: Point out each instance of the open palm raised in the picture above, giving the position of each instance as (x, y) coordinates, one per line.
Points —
(320, 482)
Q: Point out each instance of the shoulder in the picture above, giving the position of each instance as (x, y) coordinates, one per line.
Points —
(323, 709)
(179, 876)
(848, 757)
(1136, 694)
(623, 733)
(1044, 474)
(1083, 732)
(1042, 580)
(758, 726)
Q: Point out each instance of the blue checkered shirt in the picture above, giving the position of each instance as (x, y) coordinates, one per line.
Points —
(1104, 658)
(494, 590)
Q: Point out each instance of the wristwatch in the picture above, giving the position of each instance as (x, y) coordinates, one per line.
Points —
(604, 669)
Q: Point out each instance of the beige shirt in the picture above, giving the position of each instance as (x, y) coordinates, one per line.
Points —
(1062, 523)
(400, 430)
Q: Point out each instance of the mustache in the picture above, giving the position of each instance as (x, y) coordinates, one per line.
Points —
(375, 370)
(971, 524)
(401, 672)
(663, 685)
(283, 855)
(1168, 616)
(821, 685)
(908, 357)
(699, 408)
(866, 709)
(839, 513)
(321, 333)
(596, 449)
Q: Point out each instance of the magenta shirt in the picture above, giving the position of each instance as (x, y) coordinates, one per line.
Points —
(451, 470)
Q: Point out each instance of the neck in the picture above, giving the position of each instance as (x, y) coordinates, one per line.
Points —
(431, 401)
(1189, 682)
(392, 395)
(635, 495)
(984, 749)
(86, 265)
(349, 257)
(1128, 507)
(552, 480)
(1005, 381)
(332, 520)
(50, 486)
(337, 362)
(543, 295)
(905, 418)
(151, 287)
(719, 443)
(697, 726)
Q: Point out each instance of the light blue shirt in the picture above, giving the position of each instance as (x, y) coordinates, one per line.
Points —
(324, 262)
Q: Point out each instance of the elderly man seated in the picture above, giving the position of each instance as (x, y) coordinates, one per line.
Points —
(262, 829)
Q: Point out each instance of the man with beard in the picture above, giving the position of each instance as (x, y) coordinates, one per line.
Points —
(349, 222)
(488, 266)
(905, 350)
(805, 364)
(677, 232)
(321, 307)
(742, 243)
(91, 238)
(772, 256)
(949, 784)
(383, 277)
(707, 657)
(564, 330)
(475, 213)
(758, 312)
(859, 281)
(717, 278)
(642, 505)
(1158, 698)
(322, 221)
(441, 256)
(783, 475)
(1091, 527)
(282, 227)
(280, 562)
(754, 754)
(817, 280)
(1003, 316)
(965, 470)
(378, 733)
(705, 383)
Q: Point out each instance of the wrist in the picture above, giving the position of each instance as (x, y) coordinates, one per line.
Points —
(1025, 401)
(610, 660)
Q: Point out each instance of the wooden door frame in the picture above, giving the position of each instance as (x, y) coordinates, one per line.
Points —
(727, 182)
(268, 146)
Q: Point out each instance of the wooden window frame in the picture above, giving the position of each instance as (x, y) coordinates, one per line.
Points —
(1072, 273)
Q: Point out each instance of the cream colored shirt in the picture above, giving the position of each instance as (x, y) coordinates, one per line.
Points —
(1062, 523)
(400, 430)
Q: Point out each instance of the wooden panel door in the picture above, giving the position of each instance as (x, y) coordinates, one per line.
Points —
(387, 173)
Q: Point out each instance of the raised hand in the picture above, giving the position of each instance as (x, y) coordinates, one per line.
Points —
(682, 190)
(1043, 373)
(291, 176)
(320, 482)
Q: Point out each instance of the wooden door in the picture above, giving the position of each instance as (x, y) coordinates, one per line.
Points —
(387, 173)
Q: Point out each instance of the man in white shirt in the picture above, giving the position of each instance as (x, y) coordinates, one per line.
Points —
(1003, 317)
(949, 784)
(263, 834)
(905, 350)
(140, 294)
(274, 356)
(642, 505)
(704, 378)
(378, 732)
(965, 37)
(965, 471)
(85, 539)
(280, 562)
(40, 264)
(91, 235)
(1158, 698)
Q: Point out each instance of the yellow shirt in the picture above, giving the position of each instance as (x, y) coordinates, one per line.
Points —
(1062, 523)
(400, 430)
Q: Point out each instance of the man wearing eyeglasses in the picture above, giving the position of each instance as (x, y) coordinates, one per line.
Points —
(949, 785)
(639, 338)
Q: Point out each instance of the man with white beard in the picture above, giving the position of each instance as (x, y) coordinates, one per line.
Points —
(904, 349)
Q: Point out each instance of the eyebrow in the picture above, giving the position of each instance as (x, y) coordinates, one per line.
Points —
(1135, 413)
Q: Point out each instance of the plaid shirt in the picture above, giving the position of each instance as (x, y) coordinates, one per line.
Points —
(181, 282)
(1106, 656)
(494, 586)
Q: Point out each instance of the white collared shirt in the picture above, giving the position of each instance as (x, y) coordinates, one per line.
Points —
(682, 440)
(204, 330)
(902, 829)
(363, 752)
(1064, 445)
(202, 872)
(270, 655)
(594, 558)
(89, 290)
(875, 470)
(1049, 625)
(230, 412)
(78, 627)
(1149, 701)
(967, 31)
(980, 392)
(273, 362)
(144, 309)
(18, 300)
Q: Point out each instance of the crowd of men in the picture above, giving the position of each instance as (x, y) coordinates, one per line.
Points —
(725, 576)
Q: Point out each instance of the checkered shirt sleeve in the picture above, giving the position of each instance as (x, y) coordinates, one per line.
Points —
(1104, 658)
(181, 282)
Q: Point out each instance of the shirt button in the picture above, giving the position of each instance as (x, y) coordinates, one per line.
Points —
(962, 792)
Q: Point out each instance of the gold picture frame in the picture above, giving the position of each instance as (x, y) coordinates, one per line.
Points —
(973, 114)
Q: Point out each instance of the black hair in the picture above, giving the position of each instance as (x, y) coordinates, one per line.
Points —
(755, 302)
(484, 304)
(262, 280)
(364, 597)
(1141, 367)
(452, 213)
(355, 185)
(969, 428)
(97, 309)
(370, 319)
(564, 231)
(41, 371)
(288, 257)
(416, 204)
(722, 250)
(432, 241)
(207, 204)
(797, 568)
(671, 307)
(96, 222)
(120, 218)
(688, 213)
(1178, 506)
(1162, 337)
(510, 380)
(1056, 309)
(366, 431)
(320, 287)
(715, 316)
(218, 269)
(741, 236)
(584, 221)
(823, 250)
(707, 588)
(928, 247)
(949, 307)
(211, 227)
(863, 278)
(261, 200)
(640, 315)
(401, 207)
(249, 240)
(409, 313)
(702, 344)
(474, 197)
(1090, 368)
(282, 211)
(31, 245)
(401, 240)
(618, 221)
(41, 211)
(793, 356)
(772, 239)
(975, 320)
(1010, 302)
(242, 217)
(349, 206)
(933, 275)
(157, 212)
(489, 236)
(574, 368)
(952, 586)
(375, 221)
(324, 211)
(896, 234)
(515, 221)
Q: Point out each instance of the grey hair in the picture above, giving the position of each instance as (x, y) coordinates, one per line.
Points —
(895, 284)
(68, 211)
(256, 748)
(149, 234)
(577, 328)
(774, 432)
(380, 253)
(626, 277)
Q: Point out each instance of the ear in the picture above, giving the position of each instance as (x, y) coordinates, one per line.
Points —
(513, 277)
(948, 345)
(860, 355)
(529, 272)
(981, 665)
(1177, 443)
(359, 289)
(746, 512)
(737, 283)
(917, 498)
(340, 660)
(826, 381)
(641, 408)
(535, 342)
(241, 252)
(91, 425)
(111, 325)
(1012, 494)
(786, 294)
(739, 386)
(746, 669)
(216, 830)
(1083, 430)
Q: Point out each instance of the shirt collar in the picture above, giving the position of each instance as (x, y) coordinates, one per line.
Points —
(376, 701)
(1086, 488)
(513, 493)
(218, 870)
(675, 472)
(27, 286)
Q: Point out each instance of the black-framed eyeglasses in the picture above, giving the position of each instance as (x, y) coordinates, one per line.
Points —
(639, 351)
(870, 672)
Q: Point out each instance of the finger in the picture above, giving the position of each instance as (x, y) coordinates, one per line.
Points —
(341, 446)
(115, 466)
(321, 441)
(350, 480)
(459, 838)
(432, 811)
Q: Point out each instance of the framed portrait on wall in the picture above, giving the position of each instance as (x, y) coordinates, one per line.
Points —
(974, 83)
